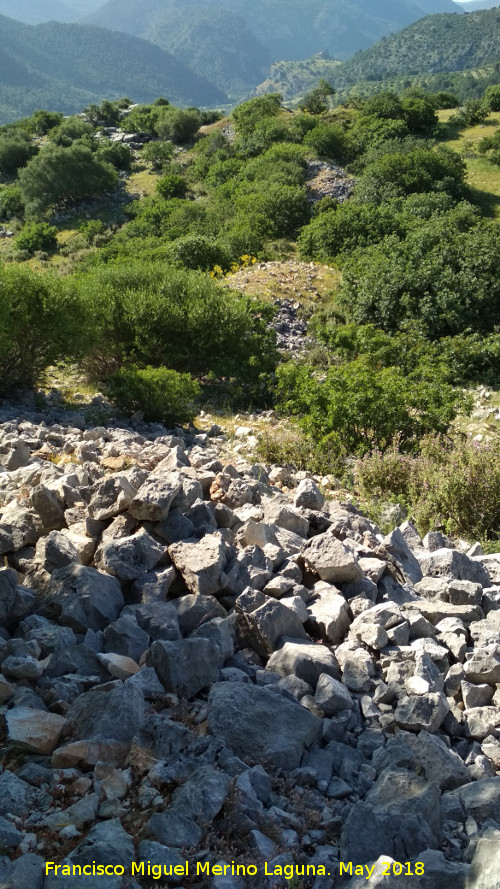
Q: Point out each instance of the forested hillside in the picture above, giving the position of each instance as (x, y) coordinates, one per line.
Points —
(433, 44)
(273, 29)
(67, 66)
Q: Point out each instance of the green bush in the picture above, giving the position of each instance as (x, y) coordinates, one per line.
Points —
(472, 112)
(92, 230)
(421, 170)
(158, 315)
(69, 130)
(15, 152)
(116, 153)
(171, 186)
(158, 154)
(453, 484)
(328, 141)
(198, 252)
(161, 394)
(41, 321)
(316, 100)
(37, 236)
(356, 406)
(247, 115)
(11, 203)
(491, 97)
(61, 176)
(444, 280)
(177, 124)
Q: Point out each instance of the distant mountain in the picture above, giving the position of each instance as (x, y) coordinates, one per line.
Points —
(64, 67)
(230, 40)
(33, 12)
(433, 44)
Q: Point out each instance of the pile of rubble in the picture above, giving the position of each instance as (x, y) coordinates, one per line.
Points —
(328, 180)
(210, 664)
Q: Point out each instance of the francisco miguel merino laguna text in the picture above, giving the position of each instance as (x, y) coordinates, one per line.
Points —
(145, 868)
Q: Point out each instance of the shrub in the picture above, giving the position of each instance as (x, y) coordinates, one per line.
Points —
(11, 203)
(37, 236)
(171, 186)
(421, 170)
(198, 252)
(316, 100)
(472, 112)
(116, 153)
(357, 405)
(16, 149)
(158, 154)
(454, 484)
(177, 124)
(444, 100)
(443, 279)
(92, 231)
(161, 394)
(41, 321)
(328, 141)
(69, 130)
(491, 97)
(43, 121)
(154, 314)
(59, 176)
(247, 115)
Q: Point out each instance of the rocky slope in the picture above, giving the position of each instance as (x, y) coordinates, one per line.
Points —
(207, 662)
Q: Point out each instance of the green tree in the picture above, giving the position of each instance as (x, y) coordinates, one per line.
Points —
(177, 124)
(171, 186)
(41, 321)
(491, 97)
(158, 154)
(11, 203)
(444, 280)
(42, 121)
(16, 149)
(69, 130)
(61, 176)
(247, 115)
(316, 100)
(37, 236)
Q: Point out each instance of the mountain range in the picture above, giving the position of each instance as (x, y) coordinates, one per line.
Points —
(66, 66)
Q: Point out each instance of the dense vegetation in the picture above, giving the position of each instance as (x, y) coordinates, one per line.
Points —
(413, 324)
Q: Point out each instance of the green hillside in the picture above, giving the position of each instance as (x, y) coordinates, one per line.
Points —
(433, 44)
(67, 66)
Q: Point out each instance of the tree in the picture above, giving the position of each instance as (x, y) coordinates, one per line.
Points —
(69, 130)
(172, 186)
(37, 236)
(316, 100)
(43, 121)
(248, 114)
(60, 176)
(443, 280)
(177, 124)
(491, 97)
(16, 149)
(421, 170)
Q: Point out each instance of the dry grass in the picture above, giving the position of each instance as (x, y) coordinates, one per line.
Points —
(304, 282)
